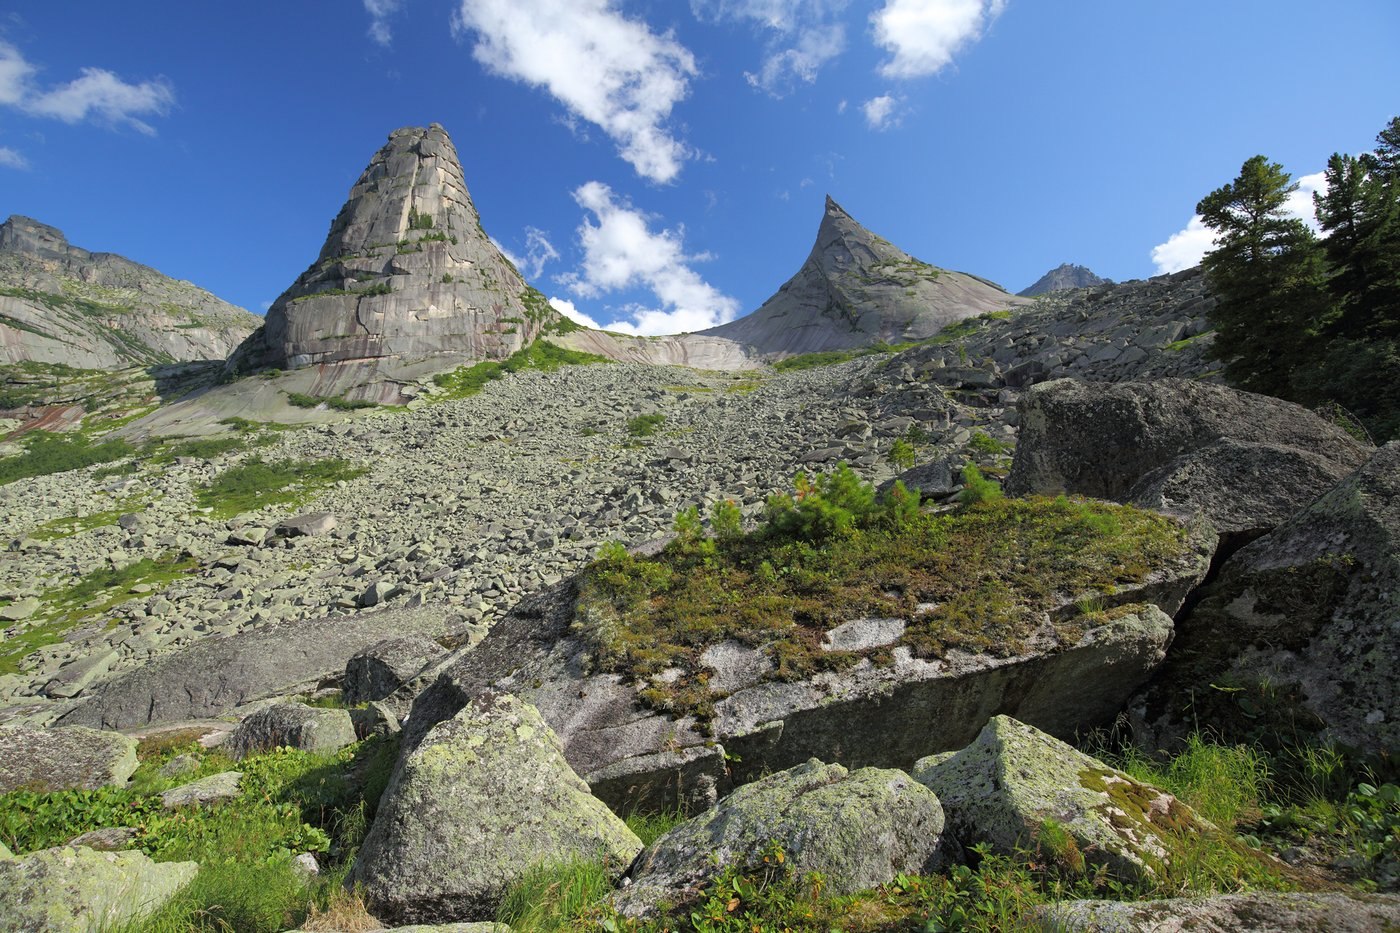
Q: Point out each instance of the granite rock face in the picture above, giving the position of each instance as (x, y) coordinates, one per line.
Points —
(485, 795)
(406, 274)
(292, 725)
(1064, 277)
(385, 666)
(1261, 912)
(858, 828)
(71, 758)
(62, 304)
(857, 289)
(76, 890)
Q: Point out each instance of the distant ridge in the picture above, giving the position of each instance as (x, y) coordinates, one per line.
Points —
(1062, 278)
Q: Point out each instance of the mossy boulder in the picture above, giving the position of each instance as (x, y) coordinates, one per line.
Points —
(486, 795)
(80, 889)
(1259, 912)
(67, 758)
(858, 828)
(292, 725)
(203, 792)
(1015, 788)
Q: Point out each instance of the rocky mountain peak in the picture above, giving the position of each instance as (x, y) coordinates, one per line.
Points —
(21, 234)
(1062, 278)
(406, 274)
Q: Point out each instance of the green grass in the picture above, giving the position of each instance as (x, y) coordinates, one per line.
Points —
(990, 571)
(256, 484)
(72, 525)
(465, 381)
(333, 402)
(1177, 346)
(554, 896)
(645, 425)
(46, 453)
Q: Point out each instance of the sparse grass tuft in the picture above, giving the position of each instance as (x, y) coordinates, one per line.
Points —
(465, 381)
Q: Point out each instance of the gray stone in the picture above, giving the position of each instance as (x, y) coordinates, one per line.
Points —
(180, 764)
(292, 725)
(75, 678)
(859, 829)
(206, 790)
(1261, 912)
(20, 609)
(72, 758)
(77, 890)
(382, 668)
(934, 480)
(308, 525)
(106, 840)
(374, 719)
(864, 634)
(733, 666)
(247, 536)
(483, 797)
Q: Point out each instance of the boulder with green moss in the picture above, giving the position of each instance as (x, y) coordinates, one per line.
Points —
(1017, 788)
(1263, 912)
(81, 889)
(68, 758)
(858, 828)
(483, 797)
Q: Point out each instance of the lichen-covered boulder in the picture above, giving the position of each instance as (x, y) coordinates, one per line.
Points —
(292, 725)
(385, 666)
(1262, 912)
(80, 889)
(206, 790)
(858, 828)
(1012, 780)
(1099, 439)
(1311, 609)
(483, 797)
(5, 851)
(68, 758)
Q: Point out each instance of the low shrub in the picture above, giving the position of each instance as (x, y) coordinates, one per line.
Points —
(46, 453)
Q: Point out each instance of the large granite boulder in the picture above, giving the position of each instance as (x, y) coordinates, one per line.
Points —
(292, 725)
(1262, 912)
(1311, 609)
(484, 797)
(77, 890)
(72, 758)
(385, 666)
(1005, 786)
(858, 828)
(211, 677)
(1102, 439)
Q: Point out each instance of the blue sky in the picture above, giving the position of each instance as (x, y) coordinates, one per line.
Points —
(661, 164)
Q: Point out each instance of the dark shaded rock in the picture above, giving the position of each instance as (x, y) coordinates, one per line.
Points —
(486, 795)
(1262, 912)
(292, 725)
(64, 759)
(936, 479)
(106, 840)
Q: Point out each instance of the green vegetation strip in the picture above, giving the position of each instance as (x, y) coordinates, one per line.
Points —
(335, 403)
(465, 381)
(256, 484)
(979, 580)
(47, 453)
(958, 331)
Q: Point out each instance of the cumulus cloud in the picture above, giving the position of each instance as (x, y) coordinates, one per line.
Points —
(604, 68)
(98, 94)
(570, 311)
(10, 158)
(539, 252)
(922, 36)
(881, 112)
(380, 12)
(1189, 245)
(802, 36)
(622, 251)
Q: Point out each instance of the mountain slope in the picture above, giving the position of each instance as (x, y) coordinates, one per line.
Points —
(1062, 278)
(62, 304)
(857, 289)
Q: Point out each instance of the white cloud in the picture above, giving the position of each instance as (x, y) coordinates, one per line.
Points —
(1189, 245)
(379, 13)
(922, 36)
(97, 94)
(881, 112)
(621, 251)
(802, 37)
(570, 311)
(606, 69)
(539, 252)
(15, 73)
(10, 158)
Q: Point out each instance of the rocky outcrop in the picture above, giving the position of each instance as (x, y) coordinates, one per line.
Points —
(486, 795)
(1013, 779)
(1310, 610)
(406, 274)
(857, 289)
(63, 304)
(64, 759)
(1262, 912)
(292, 725)
(1064, 277)
(77, 890)
(385, 666)
(858, 828)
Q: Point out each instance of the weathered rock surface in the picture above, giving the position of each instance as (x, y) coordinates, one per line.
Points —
(1002, 787)
(63, 304)
(1064, 277)
(406, 273)
(1264, 912)
(856, 289)
(385, 666)
(1100, 440)
(64, 759)
(1313, 609)
(110, 839)
(292, 725)
(206, 790)
(484, 796)
(77, 890)
(858, 828)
